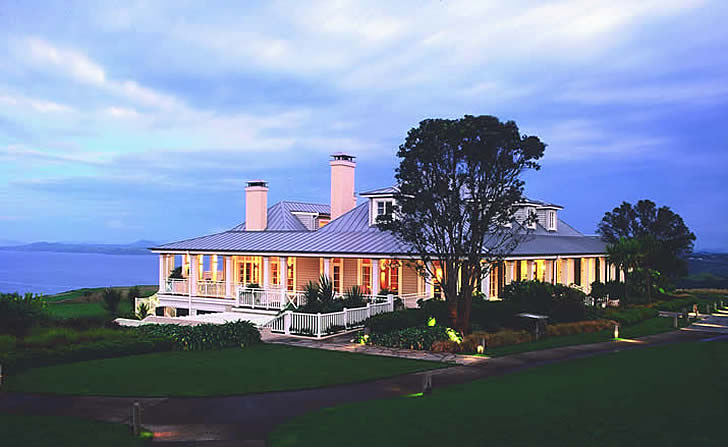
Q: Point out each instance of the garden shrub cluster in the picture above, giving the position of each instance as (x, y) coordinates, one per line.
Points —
(559, 302)
(578, 327)
(205, 336)
(21, 359)
(55, 336)
(392, 321)
(19, 313)
(418, 338)
(630, 316)
(320, 297)
(495, 339)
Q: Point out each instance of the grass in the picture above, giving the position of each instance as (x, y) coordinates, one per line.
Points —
(94, 293)
(59, 431)
(77, 310)
(667, 395)
(648, 327)
(255, 369)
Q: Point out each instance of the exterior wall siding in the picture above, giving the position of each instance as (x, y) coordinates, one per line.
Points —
(351, 275)
(307, 269)
(410, 278)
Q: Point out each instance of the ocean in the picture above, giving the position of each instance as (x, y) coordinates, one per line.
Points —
(54, 272)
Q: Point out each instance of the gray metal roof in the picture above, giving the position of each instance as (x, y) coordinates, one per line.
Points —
(378, 191)
(280, 217)
(351, 234)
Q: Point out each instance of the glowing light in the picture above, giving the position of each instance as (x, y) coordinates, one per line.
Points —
(416, 395)
(431, 321)
(453, 336)
(616, 331)
(480, 349)
(629, 340)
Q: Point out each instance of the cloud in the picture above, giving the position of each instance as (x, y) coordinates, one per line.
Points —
(38, 105)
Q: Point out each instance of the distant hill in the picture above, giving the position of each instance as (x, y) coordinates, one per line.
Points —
(134, 248)
(706, 270)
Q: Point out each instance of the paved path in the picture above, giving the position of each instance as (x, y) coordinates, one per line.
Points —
(253, 417)
(344, 343)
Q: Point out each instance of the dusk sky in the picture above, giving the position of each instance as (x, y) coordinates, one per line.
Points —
(144, 121)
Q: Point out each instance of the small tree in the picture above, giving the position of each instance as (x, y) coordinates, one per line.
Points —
(625, 255)
(132, 293)
(112, 298)
(459, 185)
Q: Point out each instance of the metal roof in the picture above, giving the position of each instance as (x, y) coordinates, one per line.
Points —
(280, 217)
(380, 191)
(352, 234)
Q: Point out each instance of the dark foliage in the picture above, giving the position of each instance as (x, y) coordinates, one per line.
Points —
(18, 313)
(419, 338)
(205, 336)
(561, 303)
(459, 181)
(112, 298)
(631, 316)
(392, 321)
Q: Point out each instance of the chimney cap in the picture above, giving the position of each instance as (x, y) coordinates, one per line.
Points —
(262, 183)
(343, 156)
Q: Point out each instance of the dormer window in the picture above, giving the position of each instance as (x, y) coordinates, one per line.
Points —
(552, 220)
(530, 214)
(384, 207)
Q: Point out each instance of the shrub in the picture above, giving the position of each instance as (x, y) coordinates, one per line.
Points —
(142, 311)
(495, 339)
(354, 297)
(437, 309)
(18, 313)
(7, 343)
(418, 338)
(393, 321)
(568, 304)
(205, 336)
(56, 336)
(579, 327)
(111, 297)
(530, 296)
(628, 317)
(492, 316)
(133, 293)
(599, 290)
(176, 273)
(446, 346)
(19, 360)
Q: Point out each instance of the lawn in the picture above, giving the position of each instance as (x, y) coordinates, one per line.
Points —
(79, 310)
(666, 395)
(647, 327)
(255, 369)
(56, 431)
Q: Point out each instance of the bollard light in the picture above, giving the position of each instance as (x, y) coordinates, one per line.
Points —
(616, 331)
(480, 349)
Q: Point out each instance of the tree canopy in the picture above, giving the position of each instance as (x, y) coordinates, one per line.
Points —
(459, 181)
(663, 239)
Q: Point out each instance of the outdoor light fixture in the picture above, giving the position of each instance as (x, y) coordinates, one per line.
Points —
(481, 349)
(616, 331)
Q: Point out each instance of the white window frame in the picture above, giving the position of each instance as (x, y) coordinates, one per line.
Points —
(374, 208)
(531, 211)
(552, 220)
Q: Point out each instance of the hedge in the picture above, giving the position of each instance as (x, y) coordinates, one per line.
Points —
(628, 317)
(417, 338)
(393, 321)
(14, 361)
(205, 336)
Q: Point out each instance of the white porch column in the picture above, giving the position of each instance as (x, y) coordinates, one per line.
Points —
(602, 270)
(283, 279)
(375, 276)
(162, 274)
(529, 269)
(510, 267)
(266, 272)
(428, 281)
(213, 267)
(621, 275)
(194, 274)
(548, 270)
(565, 272)
(327, 268)
(228, 266)
(485, 284)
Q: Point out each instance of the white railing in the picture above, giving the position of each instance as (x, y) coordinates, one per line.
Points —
(299, 323)
(215, 289)
(176, 287)
(409, 300)
(269, 298)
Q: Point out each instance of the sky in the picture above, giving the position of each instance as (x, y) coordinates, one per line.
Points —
(143, 120)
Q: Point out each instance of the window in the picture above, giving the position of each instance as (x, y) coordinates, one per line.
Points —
(337, 277)
(290, 275)
(384, 207)
(552, 220)
(530, 213)
(577, 271)
(274, 273)
(366, 276)
(493, 278)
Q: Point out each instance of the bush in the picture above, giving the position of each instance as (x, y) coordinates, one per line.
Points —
(579, 327)
(354, 297)
(55, 336)
(7, 343)
(111, 297)
(559, 302)
(492, 316)
(628, 317)
(676, 305)
(16, 361)
(133, 293)
(447, 346)
(568, 304)
(205, 336)
(418, 338)
(18, 313)
(437, 309)
(495, 339)
(393, 321)
(599, 290)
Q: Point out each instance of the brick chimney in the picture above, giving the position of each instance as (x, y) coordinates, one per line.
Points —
(256, 205)
(342, 184)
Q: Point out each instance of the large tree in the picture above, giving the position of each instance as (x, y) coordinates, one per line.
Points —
(459, 183)
(661, 234)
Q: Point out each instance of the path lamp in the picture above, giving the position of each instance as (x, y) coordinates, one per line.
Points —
(616, 331)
